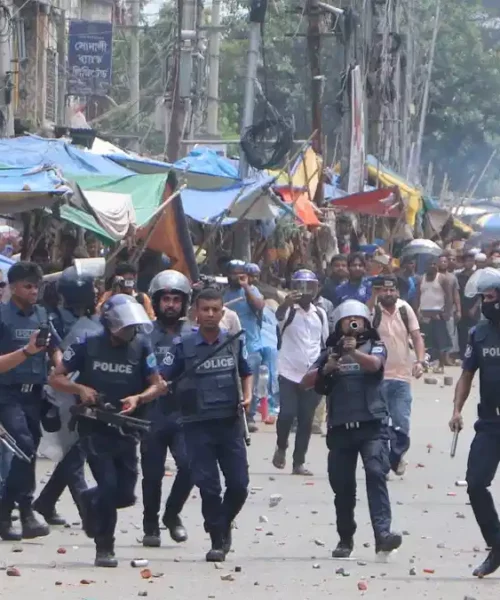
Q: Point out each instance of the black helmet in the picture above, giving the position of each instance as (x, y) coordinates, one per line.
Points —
(77, 291)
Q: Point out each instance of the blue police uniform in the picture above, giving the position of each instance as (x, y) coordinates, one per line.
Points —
(115, 372)
(483, 353)
(209, 402)
(166, 433)
(21, 402)
(357, 425)
(70, 471)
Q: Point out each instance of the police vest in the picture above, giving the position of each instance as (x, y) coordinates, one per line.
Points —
(486, 346)
(163, 343)
(212, 391)
(17, 330)
(114, 371)
(356, 394)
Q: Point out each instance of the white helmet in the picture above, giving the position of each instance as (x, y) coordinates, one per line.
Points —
(170, 281)
(351, 308)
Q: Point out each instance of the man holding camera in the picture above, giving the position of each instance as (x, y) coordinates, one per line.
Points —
(304, 331)
(125, 282)
(21, 395)
(350, 373)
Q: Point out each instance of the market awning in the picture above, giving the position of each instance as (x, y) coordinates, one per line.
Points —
(382, 202)
(28, 189)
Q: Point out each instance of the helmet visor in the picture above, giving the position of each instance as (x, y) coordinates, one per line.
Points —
(305, 286)
(481, 281)
(129, 314)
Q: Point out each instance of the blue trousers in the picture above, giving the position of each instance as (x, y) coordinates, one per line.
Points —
(482, 465)
(399, 400)
(113, 461)
(370, 442)
(20, 415)
(210, 445)
(5, 462)
(166, 435)
(254, 360)
(70, 472)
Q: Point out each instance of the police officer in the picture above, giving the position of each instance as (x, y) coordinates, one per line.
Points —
(483, 353)
(120, 365)
(350, 373)
(169, 292)
(21, 398)
(77, 318)
(209, 399)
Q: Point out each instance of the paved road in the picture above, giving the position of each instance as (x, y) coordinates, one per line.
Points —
(289, 557)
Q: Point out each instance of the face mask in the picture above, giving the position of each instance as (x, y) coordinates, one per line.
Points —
(388, 300)
(491, 311)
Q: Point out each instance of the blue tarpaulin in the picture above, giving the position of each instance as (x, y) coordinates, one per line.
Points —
(5, 264)
(207, 170)
(30, 151)
(27, 189)
(139, 164)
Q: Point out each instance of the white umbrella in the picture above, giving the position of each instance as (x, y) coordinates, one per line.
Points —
(421, 246)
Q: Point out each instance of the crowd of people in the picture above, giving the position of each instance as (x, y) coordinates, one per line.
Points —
(195, 365)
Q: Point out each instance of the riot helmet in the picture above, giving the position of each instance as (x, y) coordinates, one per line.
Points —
(123, 317)
(174, 283)
(305, 282)
(351, 309)
(77, 291)
(486, 282)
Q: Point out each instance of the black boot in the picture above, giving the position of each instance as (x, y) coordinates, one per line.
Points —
(105, 553)
(490, 565)
(216, 552)
(7, 531)
(344, 548)
(175, 527)
(388, 542)
(31, 526)
(49, 514)
(152, 538)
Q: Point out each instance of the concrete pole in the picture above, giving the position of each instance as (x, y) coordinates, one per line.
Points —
(6, 106)
(242, 246)
(135, 66)
(213, 71)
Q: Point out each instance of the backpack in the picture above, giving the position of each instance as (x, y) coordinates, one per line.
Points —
(289, 319)
(377, 317)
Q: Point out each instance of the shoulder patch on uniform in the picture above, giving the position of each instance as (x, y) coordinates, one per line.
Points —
(244, 351)
(468, 351)
(177, 339)
(151, 361)
(169, 359)
(68, 353)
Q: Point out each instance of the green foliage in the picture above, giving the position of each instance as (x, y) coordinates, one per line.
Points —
(463, 125)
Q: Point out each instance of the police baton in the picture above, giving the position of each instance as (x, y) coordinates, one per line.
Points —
(454, 443)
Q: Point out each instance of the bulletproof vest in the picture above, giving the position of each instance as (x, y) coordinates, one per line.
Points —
(114, 371)
(17, 330)
(163, 342)
(68, 319)
(356, 394)
(486, 342)
(212, 391)
(81, 328)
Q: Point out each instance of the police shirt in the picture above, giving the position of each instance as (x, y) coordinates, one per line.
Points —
(16, 328)
(173, 364)
(114, 371)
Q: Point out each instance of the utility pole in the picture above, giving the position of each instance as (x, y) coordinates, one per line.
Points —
(213, 72)
(135, 66)
(257, 17)
(183, 75)
(7, 122)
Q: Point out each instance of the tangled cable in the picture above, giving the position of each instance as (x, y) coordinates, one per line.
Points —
(267, 142)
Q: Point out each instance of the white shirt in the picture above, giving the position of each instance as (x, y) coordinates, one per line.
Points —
(301, 342)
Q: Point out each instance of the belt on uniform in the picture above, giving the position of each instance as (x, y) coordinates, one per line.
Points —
(487, 412)
(23, 388)
(353, 425)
